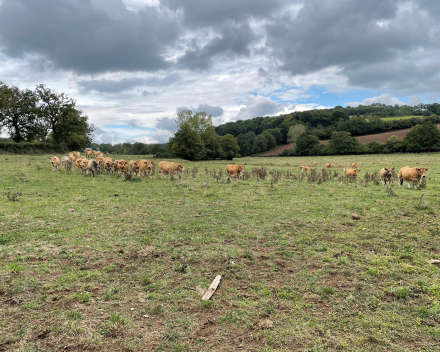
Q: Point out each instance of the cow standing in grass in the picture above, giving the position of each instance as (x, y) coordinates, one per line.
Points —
(386, 174)
(414, 174)
(234, 170)
(54, 162)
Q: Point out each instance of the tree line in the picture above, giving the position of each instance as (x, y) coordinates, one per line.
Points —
(43, 115)
(420, 138)
(264, 133)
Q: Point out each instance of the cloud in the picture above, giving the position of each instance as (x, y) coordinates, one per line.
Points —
(106, 138)
(115, 86)
(214, 111)
(165, 124)
(98, 131)
(88, 36)
(386, 99)
(414, 101)
(161, 136)
(259, 106)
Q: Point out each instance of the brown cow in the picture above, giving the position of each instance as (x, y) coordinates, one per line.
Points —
(340, 165)
(316, 164)
(286, 163)
(55, 162)
(328, 165)
(386, 174)
(145, 166)
(121, 166)
(304, 168)
(235, 170)
(351, 173)
(170, 167)
(414, 174)
(88, 153)
(353, 165)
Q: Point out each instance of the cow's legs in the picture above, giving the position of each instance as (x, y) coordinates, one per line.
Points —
(408, 184)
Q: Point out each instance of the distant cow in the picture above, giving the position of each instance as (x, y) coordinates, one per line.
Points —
(316, 164)
(351, 173)
(304, 168)
(170, 167)
(328, 165)
(340, 165)
(54, 162)
(286, 163)
(386, 174)
(88, 153)
(414, 174)
(234, 170)
(353, 166)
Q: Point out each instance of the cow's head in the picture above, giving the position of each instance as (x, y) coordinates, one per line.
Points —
(240, 168)
(421, 171)
(180, 167)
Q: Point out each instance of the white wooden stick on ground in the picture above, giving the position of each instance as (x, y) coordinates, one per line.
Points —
(212, 288)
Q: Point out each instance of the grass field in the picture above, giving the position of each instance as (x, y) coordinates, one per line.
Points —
(107, 264)
(398, 118)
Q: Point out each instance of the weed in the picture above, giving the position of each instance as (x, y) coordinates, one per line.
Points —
(13, 197)
(73, 314)
(81, 297)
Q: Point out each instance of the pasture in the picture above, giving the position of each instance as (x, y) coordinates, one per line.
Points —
(109, 264)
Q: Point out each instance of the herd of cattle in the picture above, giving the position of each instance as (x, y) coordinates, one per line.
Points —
(416, 175)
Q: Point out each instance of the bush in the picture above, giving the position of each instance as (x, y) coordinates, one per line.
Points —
(29, 148)
(287, 152)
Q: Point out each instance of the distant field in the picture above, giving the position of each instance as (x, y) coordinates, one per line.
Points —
(397, 118)
(107, 264)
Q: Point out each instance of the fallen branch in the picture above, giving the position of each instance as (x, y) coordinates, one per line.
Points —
(211, 288)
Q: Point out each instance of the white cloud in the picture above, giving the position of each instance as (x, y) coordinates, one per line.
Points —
(386, 99)
(259, 106)
(161, 136)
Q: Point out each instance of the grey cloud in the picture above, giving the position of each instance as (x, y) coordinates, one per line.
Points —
(98, 131)
(358, 37)
(86, 36)
(414, 101)
(132, 122)
(113, 86)
(214, 111)
(106, 139)
(213, 12)
(166, 124)
(233, 42)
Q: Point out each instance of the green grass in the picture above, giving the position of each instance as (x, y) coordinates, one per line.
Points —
(399, 118)
(72, 254)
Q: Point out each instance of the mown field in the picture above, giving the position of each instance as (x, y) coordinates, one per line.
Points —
(109, 264)
(398, 118)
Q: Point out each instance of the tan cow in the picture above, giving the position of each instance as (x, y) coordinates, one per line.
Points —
(340, 165)
(145, 166)
(286, 163)
(235, 170)
(386, 174)
(316, 164)
(304, 168)
(351, 173)
(121, 166)
(54, 162)
(168, 167)
(88, 153)
(328, 165)
(79, 161)
(353, 165)
(414, 174)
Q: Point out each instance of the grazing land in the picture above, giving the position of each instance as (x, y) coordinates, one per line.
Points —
(398, 118)
(319, 264)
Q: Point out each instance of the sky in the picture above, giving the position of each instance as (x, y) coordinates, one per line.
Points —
(131, 65)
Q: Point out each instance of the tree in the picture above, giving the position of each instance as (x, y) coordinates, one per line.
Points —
(423, 137)
(18, 113)
(305, 144)
(259, 145)
(187, 143)
(229, 146)
(211, 143)
(343, 143)
(73, 129)
(294, 133)
(52, 106)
